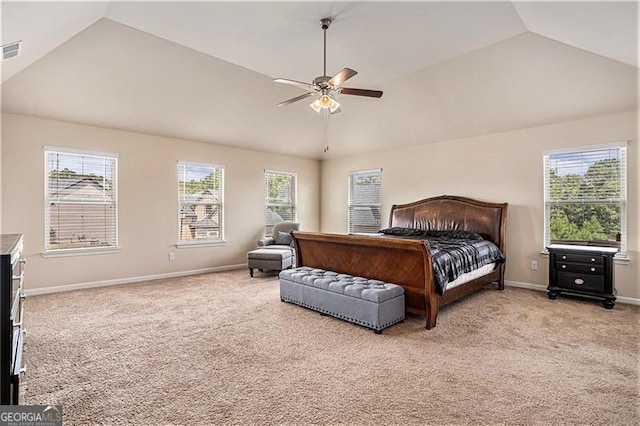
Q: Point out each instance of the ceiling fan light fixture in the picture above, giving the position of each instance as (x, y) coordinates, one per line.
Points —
(316, 105)
(325, 102)
(334, 105)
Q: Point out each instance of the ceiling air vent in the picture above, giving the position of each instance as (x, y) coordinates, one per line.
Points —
(11, 50)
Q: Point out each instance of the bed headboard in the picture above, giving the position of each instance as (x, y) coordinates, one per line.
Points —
(448, 212)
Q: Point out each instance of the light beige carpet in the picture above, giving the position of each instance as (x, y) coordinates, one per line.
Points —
(221, 348)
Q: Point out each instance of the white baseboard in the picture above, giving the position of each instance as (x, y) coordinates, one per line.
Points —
(538, 287)
(627, 300)
(118, 281)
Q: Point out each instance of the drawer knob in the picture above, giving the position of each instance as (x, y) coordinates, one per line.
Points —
(593, 269)
(592, 259)
(564, 257)
(564, 266)
(579, 281)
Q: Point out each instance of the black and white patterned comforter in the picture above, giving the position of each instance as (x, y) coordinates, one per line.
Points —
(453, 253)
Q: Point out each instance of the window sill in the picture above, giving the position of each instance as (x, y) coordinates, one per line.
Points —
(622, 260)
(81, 252)
(201, 244)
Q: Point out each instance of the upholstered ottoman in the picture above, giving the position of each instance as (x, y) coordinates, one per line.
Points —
(370, 303)
(270, 259)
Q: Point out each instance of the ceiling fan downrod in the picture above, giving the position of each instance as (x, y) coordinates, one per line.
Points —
(325, 22)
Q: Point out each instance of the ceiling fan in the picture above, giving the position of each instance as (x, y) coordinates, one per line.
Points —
(327, 86)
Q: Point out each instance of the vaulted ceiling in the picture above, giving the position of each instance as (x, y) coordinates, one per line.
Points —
(203, 71)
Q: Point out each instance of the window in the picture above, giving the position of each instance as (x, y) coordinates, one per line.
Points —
(201, 202)
(364, 201)
(586, 196)
(280, 198)
(80, 200)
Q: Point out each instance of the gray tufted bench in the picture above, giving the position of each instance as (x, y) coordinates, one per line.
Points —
(371, 303)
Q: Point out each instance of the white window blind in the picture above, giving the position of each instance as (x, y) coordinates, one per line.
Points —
(586, 196)
(201, 202)
(80, 201)
(280, 198)
(365, 201)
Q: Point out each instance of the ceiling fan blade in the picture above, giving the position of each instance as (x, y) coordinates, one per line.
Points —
(297, 98)
(342, 76)
(301, 84)
(361, 92)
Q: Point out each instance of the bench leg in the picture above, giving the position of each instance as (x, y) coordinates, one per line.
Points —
(377, 331)
(251, 272)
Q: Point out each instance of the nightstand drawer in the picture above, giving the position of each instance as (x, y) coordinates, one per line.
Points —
(565, 257)
(578, 281)
(580, 268)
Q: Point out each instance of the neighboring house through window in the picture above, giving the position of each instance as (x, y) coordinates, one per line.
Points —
(365, 201)
(280, 198)
(201, 199)
(81, 211)
(586, 196)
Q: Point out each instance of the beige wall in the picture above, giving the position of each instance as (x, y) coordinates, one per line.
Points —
(502, 167)
(148, 193)
(148, 200)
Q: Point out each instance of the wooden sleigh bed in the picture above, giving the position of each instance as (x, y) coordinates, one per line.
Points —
(408, 262)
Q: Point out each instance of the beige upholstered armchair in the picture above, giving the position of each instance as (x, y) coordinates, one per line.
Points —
(281, 238)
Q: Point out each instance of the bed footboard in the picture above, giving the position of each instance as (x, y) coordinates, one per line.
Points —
(404, 262)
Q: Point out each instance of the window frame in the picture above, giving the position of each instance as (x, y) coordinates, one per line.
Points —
(200, 242)
(351, 207)
(76, 251)
(624, 200)
(268, 229)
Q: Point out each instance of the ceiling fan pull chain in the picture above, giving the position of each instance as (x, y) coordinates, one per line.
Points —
(327, 115)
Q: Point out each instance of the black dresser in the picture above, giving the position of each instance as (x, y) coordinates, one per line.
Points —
(11, 317)
(582, 271)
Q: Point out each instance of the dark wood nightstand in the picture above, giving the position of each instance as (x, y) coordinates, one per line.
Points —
(582, 271)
